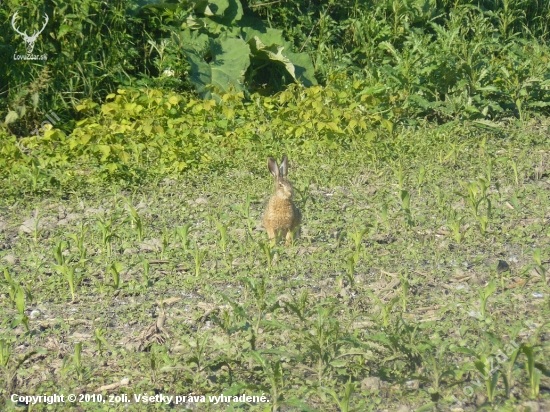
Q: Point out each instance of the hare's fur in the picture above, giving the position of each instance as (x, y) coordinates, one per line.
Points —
(281, 217)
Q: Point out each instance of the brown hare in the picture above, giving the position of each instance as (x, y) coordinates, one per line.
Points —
(281, 217)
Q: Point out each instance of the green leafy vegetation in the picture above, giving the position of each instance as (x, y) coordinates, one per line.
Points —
(221, 48)
(132, 255)
(369, 309)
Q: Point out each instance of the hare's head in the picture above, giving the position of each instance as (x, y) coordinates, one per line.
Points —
(283, 188)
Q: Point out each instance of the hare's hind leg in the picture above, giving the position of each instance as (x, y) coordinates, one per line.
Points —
(289, 237)
(270, 233)
(292, 234)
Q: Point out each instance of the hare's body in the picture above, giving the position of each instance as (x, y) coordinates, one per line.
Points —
(281, 217)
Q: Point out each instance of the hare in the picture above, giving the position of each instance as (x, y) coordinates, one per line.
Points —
(281, 216)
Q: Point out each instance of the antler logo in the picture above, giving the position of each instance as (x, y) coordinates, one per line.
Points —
(30, 40)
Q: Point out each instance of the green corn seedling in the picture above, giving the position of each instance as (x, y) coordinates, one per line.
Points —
(20, 306)
(483, 222)
(484, 295)
(533, 372)
(222, 230)
(68, 272)
(36, 231)
(58, 252)
(490, 376)
(455, 223)
(100, 341)
(474, 195)
(78, 239)
(12, 286)
(114, 270)
(269, 252)
(146, 271)
(510, 356)
(350, 273)
(405, 199)
(183, 233)
(342, 402)
(358, 236)
(107, 233)
(136, 221)
(198, 256)
(400, 176)
(77, 361)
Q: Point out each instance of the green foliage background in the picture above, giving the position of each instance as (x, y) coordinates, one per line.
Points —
(397, 63)
(418, 132)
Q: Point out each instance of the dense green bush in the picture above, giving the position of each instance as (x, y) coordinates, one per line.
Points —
(90, 46)
(443, 61)
(93, 47)
(327, 25)
(146, 133)
(229, 52)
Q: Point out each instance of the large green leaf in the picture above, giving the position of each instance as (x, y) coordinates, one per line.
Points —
(216, 16)
(194, 41)
(211, 8)
(271, 45)
(225, 71)
(232, 14)
(220, 57)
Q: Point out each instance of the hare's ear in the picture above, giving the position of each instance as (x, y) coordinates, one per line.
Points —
(272, 166)
(284, 166)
